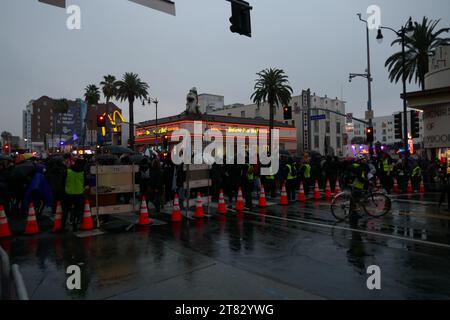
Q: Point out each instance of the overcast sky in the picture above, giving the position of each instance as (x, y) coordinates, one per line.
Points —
(317, 42)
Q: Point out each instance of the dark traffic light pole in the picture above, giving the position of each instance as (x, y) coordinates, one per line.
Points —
(368, 76)
(402, 34)
(240, 17)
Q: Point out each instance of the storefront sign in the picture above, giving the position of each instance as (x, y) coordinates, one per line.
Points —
(436, 128)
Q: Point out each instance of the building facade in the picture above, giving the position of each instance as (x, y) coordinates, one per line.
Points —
(43, 128)
(326, 135)
(435, 104)
(150, 135)
(384, 130)
(210, 102)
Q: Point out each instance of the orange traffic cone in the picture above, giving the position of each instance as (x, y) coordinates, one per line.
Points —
(199, 213)
(284, 199)
(337, 188)
(58, 218)
(396, 188)
(317, 195)
(301, 193)
(176, 212)
(222, 209)
(32, 225)
(4, 226)
(422, 187)
(262, 198)
(144, 219)
(88, 222)
(240, 201)
(328, 190)
(409, 189)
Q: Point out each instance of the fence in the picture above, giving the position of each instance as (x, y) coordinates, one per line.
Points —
(12, 286)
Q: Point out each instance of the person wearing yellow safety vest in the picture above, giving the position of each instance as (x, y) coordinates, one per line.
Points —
(75, 186)
(269, 185)
(359, 180)
(386, 172)
(416, 175)
(248, 178)
(305, 175)
(291, 180)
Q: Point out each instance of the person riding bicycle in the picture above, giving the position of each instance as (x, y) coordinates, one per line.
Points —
(359, 172)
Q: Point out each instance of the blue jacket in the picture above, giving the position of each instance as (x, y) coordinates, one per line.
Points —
(40, 184)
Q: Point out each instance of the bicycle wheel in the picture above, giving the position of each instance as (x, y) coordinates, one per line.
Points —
(377, 205)
(340, 206)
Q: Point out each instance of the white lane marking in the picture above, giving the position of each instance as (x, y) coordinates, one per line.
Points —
(379, 234)
(415, 201)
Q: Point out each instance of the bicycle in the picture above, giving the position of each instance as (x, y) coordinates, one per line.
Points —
(375, 204)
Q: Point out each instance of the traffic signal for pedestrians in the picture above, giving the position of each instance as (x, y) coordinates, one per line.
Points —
(287, 113)
(240, 18)
(369, 135)
(101, 121)
(398, 126)
(415, 124)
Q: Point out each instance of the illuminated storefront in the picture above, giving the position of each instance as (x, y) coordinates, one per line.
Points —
(150, 135)
(435, 104)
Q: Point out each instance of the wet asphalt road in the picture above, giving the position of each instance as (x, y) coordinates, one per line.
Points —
(293, 252)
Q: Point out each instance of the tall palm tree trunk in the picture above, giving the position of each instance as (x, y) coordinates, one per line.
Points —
(131, 129)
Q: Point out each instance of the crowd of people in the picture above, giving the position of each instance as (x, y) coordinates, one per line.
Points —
(66, 178)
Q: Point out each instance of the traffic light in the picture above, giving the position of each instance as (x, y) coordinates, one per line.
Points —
(398, 125)
(369, 135)
(165, 142)
(240, 18)
(287, 113)
(101, 121)
(6, 148)
(415, 124)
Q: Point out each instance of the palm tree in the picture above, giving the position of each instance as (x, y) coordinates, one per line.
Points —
(60, 107)
(420, 45)
(92, 97)
(109, 87)
(272, 86)
(92, 94)
(131, 88)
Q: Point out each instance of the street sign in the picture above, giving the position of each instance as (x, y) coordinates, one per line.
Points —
(349, 117)
(319, 117)
(369, 115)
(56, 3)
(166, 6)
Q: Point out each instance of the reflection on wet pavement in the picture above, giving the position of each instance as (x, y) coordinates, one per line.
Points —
(263, 254)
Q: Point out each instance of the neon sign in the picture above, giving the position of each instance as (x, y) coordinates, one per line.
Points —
(113, 121)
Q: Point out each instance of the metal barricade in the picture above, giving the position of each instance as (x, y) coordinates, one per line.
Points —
(12, 286)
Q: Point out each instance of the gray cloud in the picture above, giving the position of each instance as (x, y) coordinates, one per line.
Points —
(317, 43)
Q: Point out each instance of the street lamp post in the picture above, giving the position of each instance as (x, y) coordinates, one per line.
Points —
(402, 33)
(149, 102)
(368, 76)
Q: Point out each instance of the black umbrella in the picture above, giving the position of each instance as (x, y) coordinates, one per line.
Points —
(118, 150)
(136, 158)
(107, 159)
(25, 169)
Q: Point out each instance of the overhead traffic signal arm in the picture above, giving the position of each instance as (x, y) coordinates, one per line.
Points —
(370, 135)
(287, 113)
(240, 17)
(398, 126)
(101, 121)
(415, 124)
